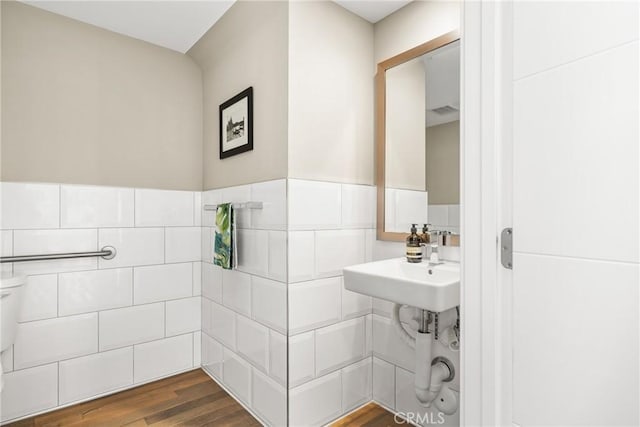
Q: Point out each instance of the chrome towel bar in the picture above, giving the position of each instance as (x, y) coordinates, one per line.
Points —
(107, 252)
(246, 205)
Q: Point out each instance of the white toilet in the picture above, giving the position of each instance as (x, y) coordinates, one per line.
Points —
(11, 289)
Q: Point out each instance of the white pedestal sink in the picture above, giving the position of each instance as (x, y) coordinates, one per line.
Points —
(434, 288)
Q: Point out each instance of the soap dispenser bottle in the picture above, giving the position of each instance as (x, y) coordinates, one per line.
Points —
(414, 246)
(426, 234)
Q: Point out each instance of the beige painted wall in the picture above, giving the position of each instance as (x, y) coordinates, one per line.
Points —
(330, 94)
(405, 124)
(246, 47)
(414, 24)
(87, 106)
(443, 163)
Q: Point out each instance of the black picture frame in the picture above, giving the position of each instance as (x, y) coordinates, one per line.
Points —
(236, 124)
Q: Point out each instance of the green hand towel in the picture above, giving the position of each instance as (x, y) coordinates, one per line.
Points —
(224, 244)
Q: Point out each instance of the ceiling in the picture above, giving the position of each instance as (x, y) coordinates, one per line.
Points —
(176, 24)
(373, 11)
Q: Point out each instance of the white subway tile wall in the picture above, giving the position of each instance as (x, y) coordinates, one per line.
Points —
(182, 316)
(445, 217)
(301, 358)
(268, 399)
(403, 208)
(212, 356)
(314, 205)
(253, 342)
(314, 304)
(92, 206)
(182, 244)
(45, 341)
(27, 242)
(384, 383)
(95, 374)
(223, 325)
(135, 246)
(97, 319)
(278, 357)
(356, 384)
(316, 402)
(161, 306)
(30, 390)
(346, 341)
(269, 303)
(30, 206)
(236, 374)
(39, 298)
(244, 311)
(162, 282)
(6, 248)
(236, 291)
(88, 291)
(157, 359)
(330, 227)
(127, 326)
(164, 208)
(7, 360)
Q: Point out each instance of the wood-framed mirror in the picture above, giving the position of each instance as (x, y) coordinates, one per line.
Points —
(417, 115)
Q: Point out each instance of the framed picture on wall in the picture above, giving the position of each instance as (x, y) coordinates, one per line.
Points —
(236, 124)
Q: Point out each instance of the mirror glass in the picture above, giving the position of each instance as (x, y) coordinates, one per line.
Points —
(422, 142)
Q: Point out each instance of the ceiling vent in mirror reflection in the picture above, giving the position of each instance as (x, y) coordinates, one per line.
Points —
(446, 109)
(442, 87)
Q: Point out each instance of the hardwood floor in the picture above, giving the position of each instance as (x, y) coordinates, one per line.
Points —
(370, 415)
(189, 399)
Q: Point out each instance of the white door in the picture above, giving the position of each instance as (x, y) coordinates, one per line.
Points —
(573, 142)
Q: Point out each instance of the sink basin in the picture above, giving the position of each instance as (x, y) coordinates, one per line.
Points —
(435, 288)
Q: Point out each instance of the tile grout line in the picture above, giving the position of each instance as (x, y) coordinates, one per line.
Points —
(134, 207)
(58, 381)
(394, 386)
(59, 206)
(133, 364)
(98, 329)
(57, 295)
(13, 249)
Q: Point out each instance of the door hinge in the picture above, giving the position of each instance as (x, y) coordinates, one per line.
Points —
(506, 248)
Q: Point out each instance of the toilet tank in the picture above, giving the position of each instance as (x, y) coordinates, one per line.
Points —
(11, 290)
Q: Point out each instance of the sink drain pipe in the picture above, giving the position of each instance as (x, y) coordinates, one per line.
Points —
(429, 374)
